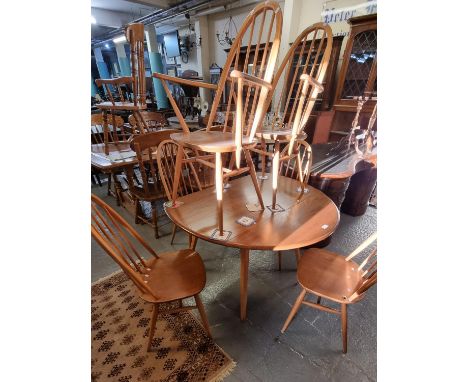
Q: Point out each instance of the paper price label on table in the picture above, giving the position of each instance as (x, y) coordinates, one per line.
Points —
(253, 207)
(245, 221)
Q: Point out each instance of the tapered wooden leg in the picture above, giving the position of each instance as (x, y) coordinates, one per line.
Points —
(193, 242)
(344, 326)
(279, 261)
(244, 278)
(274, 173)
(294, 310)
(297, 252)
(154, 215)
(219, 191)
(201, 309)
(253, 175)
(174, 229)
(264, 158)
(300, 173)
(105, 127)
(109, 184)
(117, 188)
(137, 211)
(153, 325)
(178, 168)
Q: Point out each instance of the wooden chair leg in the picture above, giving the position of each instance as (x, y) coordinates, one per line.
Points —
(174, 229)
(279, 261)
(275, 173)
(219, 191)
(154, 214)
(193, 242)
(344, 326)
(253, 175)
(297, 252)
(201, 309)
(294, 310)
(109, 183)
(137, 211)
(152, 325)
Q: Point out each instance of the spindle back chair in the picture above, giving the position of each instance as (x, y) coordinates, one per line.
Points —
(303, 69)
(159, 278)
(154, 120)
(115, 135)
(136, 99)
(193, 176)
(248, 72)
(337, 278)
(147, 186)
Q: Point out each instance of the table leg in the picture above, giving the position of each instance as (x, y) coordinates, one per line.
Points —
(244, 277)
(118, 189)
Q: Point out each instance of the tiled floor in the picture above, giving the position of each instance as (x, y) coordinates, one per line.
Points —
(310, 350)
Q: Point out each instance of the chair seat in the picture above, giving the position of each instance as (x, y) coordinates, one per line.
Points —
(328, 274)
(154, 193)
(119, 106)
(280, 135)
(211, 141)
(175, 275)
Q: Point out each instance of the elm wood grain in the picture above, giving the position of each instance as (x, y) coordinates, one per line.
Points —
(337, 278)
(247, 96)
(165, 277)
(302, 223)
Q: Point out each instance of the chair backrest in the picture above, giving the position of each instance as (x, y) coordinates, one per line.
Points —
(121, 242)
(254, 52)
(302, 156)
(154, 120)
(368, 266)
(194, 177)
(302, 71)
(115, 133)
(135, 34)
(145, 147)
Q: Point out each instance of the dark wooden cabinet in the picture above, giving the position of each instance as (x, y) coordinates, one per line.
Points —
(358, 75)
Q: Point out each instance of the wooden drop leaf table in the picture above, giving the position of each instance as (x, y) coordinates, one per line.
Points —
(299, 224)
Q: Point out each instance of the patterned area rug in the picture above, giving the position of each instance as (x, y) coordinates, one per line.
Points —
(119, 330)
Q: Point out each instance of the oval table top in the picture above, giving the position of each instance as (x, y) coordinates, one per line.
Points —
(300, 224)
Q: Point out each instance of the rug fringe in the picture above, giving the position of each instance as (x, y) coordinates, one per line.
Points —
(226, 372)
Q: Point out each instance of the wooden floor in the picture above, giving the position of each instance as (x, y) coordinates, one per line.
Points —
(310, 350)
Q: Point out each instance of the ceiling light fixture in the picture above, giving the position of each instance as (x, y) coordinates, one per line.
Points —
(119, 39)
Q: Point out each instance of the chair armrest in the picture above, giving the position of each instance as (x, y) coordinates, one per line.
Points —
(312, 82)
(114, 81)
(184, 81)
(251, 79)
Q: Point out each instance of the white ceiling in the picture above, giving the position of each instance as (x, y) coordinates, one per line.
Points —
(130, 7)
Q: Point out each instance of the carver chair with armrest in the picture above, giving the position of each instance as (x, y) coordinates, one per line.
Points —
(147, 186)
(248, 72)
(161, 278)
(193, 177)
(336, 278)
(136, 100)
(296, 84)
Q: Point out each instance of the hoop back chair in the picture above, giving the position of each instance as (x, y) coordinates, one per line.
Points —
(135, 34)
(337, 278)
(115, 135)
(147, 187)
(193, 176)
(154, 121)
(245, 83)
(303, 68)
(164, 277)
